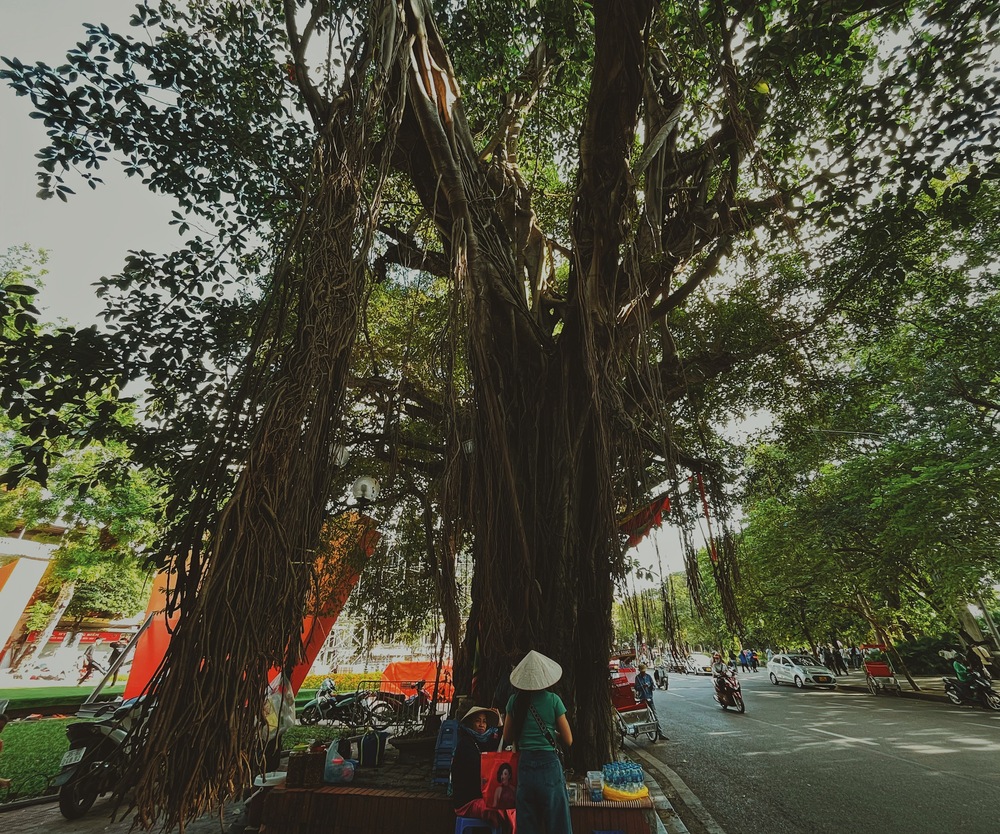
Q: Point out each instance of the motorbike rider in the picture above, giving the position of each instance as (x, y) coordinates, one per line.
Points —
(961, 670)
(719, 670)
(976, 658)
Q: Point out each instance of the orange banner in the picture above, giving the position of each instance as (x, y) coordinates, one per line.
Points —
(350, 539)
(152, 643)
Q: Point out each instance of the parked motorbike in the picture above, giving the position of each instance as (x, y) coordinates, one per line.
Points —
(391, 708)
(348, 708)
(728, 691)
(96, 760)
(977, 690)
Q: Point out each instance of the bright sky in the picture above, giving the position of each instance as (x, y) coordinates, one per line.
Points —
(88, 236)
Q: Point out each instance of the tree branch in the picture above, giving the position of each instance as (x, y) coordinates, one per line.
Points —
(536, 74)
(408, 253)
(606, 191)
(314, 101)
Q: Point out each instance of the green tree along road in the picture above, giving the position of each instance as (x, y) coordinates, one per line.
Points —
(878, 500)
(619, 214)
(105, 507)
(870, 510)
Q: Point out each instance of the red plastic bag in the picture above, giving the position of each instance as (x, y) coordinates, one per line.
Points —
(498, 772)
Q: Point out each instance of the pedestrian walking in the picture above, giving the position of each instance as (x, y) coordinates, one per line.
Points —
(644, 692)
(89, 664)
(117, 650)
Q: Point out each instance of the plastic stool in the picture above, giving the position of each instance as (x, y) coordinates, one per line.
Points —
(463, 824)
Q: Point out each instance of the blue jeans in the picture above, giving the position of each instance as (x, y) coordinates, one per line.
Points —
(542, 802)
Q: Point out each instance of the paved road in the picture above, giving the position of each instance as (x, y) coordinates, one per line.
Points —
(819, 761)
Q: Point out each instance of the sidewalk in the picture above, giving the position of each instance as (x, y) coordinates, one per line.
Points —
(45, 818)
(931, 686)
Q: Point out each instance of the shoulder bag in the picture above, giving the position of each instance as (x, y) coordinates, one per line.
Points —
(547, 734)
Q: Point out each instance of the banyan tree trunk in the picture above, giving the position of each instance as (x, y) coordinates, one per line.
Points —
(243, 617)
(203, 741)
(545, 539)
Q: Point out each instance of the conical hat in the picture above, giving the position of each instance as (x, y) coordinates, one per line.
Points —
(535, 671)
(492, 716)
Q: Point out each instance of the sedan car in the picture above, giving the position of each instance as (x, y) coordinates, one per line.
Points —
(700, 664)
(801, 670)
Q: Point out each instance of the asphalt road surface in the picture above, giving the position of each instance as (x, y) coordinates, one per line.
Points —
(813, 762)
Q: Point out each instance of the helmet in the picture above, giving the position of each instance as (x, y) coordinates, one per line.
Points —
(716, 655)
(948, 654)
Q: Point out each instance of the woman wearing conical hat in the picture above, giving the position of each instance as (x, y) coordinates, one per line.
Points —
(536, 718)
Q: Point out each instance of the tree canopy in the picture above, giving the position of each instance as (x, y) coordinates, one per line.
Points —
(619, 218)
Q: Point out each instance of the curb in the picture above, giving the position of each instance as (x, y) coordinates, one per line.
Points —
(667, 819)
(18, 804)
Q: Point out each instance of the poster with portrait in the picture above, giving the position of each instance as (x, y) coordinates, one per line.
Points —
(498, 772)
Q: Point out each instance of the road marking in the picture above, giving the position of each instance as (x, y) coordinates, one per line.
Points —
(846, 738)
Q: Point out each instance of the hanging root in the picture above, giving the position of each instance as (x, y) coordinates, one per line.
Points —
(244, 574)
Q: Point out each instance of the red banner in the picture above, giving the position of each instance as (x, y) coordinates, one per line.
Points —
(86, 637)
(412, 671)
(351, 539)
(637, 525)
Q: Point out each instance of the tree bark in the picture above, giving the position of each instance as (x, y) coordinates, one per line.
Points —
(546, 546)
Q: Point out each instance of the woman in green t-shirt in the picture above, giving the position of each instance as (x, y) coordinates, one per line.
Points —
(536, 717)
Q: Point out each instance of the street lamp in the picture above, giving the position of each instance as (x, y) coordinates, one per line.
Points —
(365, 490)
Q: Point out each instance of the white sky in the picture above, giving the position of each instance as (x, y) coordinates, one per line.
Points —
(88, 236)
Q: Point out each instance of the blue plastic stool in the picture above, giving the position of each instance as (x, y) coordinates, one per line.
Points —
(463, 824)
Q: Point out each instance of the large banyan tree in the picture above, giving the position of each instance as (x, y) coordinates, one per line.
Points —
(610, 206)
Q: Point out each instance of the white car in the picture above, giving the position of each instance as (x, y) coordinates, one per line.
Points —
(700, 664)
(800, 670)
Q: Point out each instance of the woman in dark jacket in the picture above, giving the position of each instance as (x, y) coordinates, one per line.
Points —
(478, 733)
